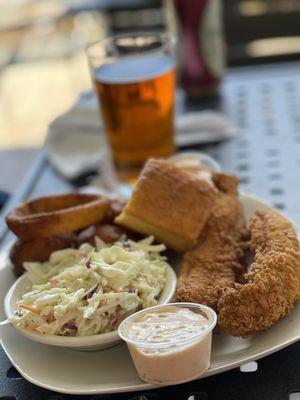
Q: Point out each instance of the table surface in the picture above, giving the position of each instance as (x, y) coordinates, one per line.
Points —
(264, 102)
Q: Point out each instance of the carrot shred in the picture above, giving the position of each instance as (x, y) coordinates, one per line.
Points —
(30, 308)
(50, 318)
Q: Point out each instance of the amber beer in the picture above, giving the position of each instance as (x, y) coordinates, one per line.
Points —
(136, 96)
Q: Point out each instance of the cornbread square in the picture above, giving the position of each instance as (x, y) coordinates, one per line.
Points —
(170, 204)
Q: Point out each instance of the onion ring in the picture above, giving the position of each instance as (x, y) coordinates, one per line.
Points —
(108, 233)
(115, 209)
(38, 249)
(55, 215)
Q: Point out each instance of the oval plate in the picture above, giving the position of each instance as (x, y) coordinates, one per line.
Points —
(111, 370)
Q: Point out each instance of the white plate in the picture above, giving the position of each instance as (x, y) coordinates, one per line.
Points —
(111, 370)
(86, 343)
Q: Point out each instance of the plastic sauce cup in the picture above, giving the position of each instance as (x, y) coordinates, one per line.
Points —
(166, 363)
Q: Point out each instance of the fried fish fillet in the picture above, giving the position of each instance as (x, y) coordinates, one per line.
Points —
(273, 282)
(215, 263)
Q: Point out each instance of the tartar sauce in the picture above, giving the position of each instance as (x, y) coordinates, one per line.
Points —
(170, 344)
(168, 325)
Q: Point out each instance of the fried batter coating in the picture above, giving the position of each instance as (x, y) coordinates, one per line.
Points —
(38, 249)
(273, 283)
(216, 261)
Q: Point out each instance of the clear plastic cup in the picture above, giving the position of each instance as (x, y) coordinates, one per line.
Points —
(166, 363)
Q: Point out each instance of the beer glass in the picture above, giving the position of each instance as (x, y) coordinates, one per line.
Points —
(134, 79)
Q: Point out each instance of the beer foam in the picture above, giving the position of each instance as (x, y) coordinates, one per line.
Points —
(132, 69)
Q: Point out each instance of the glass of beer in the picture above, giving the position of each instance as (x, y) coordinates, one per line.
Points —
(134, 78)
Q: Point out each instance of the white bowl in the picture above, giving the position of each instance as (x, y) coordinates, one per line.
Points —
(86, 343)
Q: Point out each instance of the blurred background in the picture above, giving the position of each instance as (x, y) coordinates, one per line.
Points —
(43, 67)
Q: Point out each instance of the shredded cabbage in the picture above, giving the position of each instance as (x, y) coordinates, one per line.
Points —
(87, 291)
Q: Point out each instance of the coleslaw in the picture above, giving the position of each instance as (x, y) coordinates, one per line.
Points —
(87, 291)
